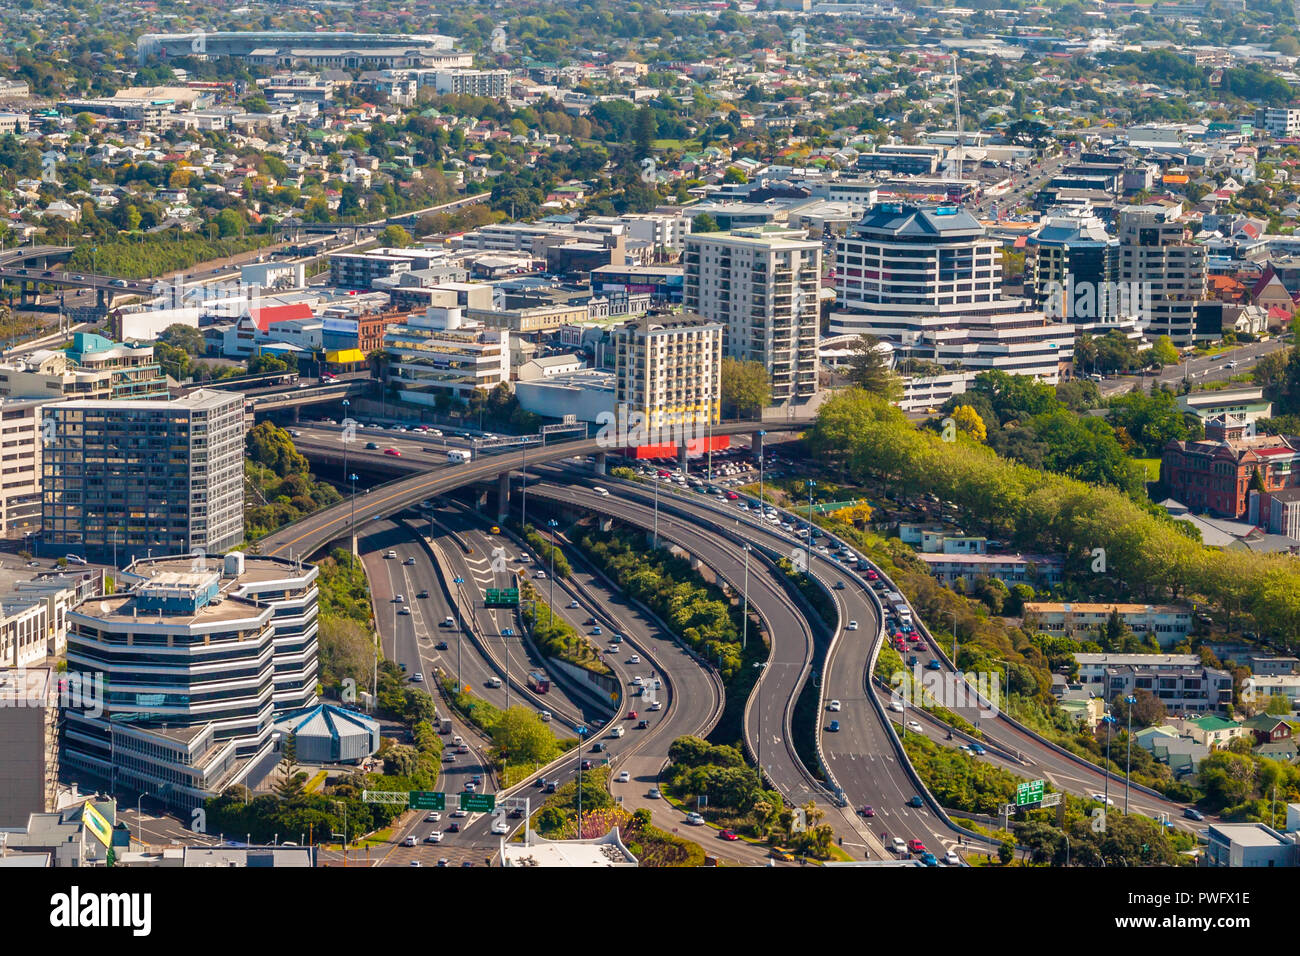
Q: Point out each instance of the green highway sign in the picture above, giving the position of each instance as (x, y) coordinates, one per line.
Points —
(428, 800)
(478, 802)
(1031, 792)
(502, 597)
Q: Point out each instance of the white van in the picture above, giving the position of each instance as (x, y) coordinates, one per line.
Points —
(603, 492)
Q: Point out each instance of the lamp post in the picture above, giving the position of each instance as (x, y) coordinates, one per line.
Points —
(582, 738)
(808, 543)
(460, 627)
(656, 525)
(762, 505)
(758, 702)
(954, 639)
(352, 532)
(347, 437)
(552, 524)
(523, 491)
(744, 627)
(1130, 700)
(1108, 720)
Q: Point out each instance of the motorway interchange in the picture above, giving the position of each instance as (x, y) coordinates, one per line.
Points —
(863, 764)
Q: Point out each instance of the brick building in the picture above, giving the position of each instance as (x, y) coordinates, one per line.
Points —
(372, 325)
(1215, 474)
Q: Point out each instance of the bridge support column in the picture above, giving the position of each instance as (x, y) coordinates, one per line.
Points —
(99, 299)
(598, 463)
(503, 496)
(295, 414)
(683, 460)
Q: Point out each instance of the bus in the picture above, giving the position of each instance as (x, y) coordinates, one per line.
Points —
(538, 682)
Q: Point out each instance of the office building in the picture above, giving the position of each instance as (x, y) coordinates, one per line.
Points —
(289, 588)
(20, 467)
(1248, 844)
(668, 371)
(1215, 474)
(1278, 121)
(92, 367)
(121, 478)
(191, 660)
(489, 83)
(763, 286)
(1074, 271)
(1158, 257)
(440, 355)
(29, 728)
(927, 280)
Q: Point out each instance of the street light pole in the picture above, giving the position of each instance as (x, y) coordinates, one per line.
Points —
(552, 524)
(656, 528)
(523, 507)
(762, 505)
(744, 627)
(347, 437)
(1108, 720)
(460, 627)
(758, 702)
(352, 532)
(808, 542)
(954, 639)
(1130, 700)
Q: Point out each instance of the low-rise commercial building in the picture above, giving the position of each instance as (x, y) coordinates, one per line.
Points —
(442, 355)
(1179, 681)
(1007, 568)
(1168, 623)
(1248, 844)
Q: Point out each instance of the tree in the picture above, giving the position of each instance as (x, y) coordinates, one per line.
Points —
(704, 223)
(1006, 852)
(520, 735)
(869, 368)
(394, 236)
(1148, 709)
(272, 447)
(746, 387)
(1164, 353)
(184, 337)
(643, 131)
(968, 422)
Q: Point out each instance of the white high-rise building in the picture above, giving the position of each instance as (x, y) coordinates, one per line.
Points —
(1158, 257)
(763, 285)
(927, 280)
(668, 369)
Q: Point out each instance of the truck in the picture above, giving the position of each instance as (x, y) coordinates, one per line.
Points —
(444, 725)
(538, 682)
(458, 456)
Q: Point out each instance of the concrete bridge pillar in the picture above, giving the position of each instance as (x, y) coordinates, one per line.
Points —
(598, 463)
(503, 496)
(683, 459)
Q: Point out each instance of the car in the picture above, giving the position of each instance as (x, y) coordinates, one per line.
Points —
(500, 828)
(540, 575)
(631, 715)
(424, 593)
(624, 776)
(915, 846)
(695, 819)
(448, 622)
(916, 802)
(951, 858)
(434, 837)
(492, 682)
(933, 664)
(978, 749)
(896, 706)
(728, 835)
(433, 817)
(399, 598)
(929, 859)
(779, 853)
(867, 811)
(409, 562)
(1102, 798)
(638, 681)
(834, 727)
(440, 646)
(603, 492)
(471, 787)
(404, 610)
(393, 452)
(409, 841)
(372, 446)
(596, 631)
(617, 731)
(898, 845)
(516, 813)
(915, 727)
(1192, 813)
(599, 747)
(587, 765)
(415, 863)
(418, 677)
(612, 649)
(834, 706)
(390, 554)
(573, 605)
(453, 827)
(654, 793)
(853, 625)
(442, 861)
(642, 724)
(460, 813)
(448, 757)
(655, 705)
(634, 659)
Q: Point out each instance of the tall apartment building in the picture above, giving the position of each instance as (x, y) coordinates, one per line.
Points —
(668, 368)
(1180, 681)
(1157, 256)
(189, 684)
(441, 354)
(1075, 267)
(1278, 121)
(490, 83)
(20, 466)
(763, 285)
(927, 280)
(121, 478)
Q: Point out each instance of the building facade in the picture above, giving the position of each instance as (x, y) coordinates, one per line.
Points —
(1158, 257)
(121, 478)
(763, 286)
(668, 369)
(441, 355)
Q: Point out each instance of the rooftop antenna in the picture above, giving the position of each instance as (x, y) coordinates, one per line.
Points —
(956, 97)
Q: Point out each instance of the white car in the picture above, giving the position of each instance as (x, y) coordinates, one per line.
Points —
(500, 828)
(617, 731)
(493, 682)
(1102, 798)
(896, 706)
(624, 777)
(634, 659)
(853, 625)
(913, 726)
(655, 705)
(695, 819)
(540, 575)
(409, 841)
(471, 787)
(899, 846)
(834, 706)
(639, 681)
(458, 813)
(434, 837)
(951, 858)
(603, 492)
(433, 817)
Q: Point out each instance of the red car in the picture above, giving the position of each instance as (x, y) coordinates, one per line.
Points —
(631, 715)
(393, 451)
(729, 835)
(915, 846)
(867, 811)
(872, 575)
